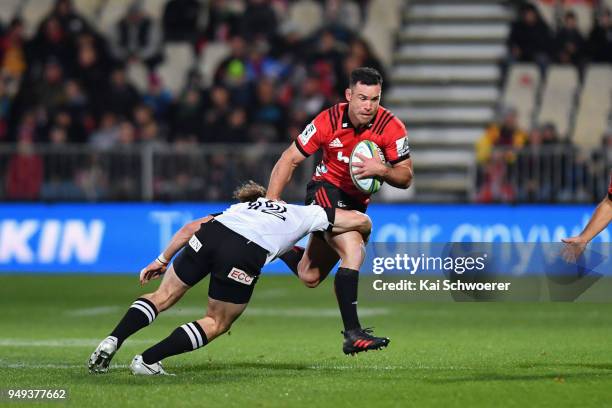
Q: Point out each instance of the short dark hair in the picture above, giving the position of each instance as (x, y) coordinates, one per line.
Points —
(365, 75)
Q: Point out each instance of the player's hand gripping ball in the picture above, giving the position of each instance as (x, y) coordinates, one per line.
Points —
(367, 148)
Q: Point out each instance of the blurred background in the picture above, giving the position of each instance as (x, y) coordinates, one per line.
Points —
(163, 100)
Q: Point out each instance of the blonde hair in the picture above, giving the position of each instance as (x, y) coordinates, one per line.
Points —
(249, 191)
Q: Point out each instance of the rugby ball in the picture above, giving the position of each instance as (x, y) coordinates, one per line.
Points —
(367, 148)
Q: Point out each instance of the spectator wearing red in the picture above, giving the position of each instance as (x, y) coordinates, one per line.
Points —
(24, 174)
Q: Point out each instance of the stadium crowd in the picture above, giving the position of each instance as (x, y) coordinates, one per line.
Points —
(539, 164)
(68, 84)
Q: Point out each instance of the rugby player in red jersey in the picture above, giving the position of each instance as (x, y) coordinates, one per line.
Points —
(336, 131)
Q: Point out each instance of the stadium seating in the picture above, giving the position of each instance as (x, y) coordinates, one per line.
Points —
(88, 9)
(306, 16)
(137, 74)
(111, 14)
(558, 97)
(178, 60)
(8, 10)
(520, 91)
(594, 107)
(210, 58)
(384, 18)
(34, 12)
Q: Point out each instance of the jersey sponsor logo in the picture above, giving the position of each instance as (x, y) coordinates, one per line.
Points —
(340, 204)
(336, 143)
(308, 132)
(195, 243)
(402, 146)
(240, 276)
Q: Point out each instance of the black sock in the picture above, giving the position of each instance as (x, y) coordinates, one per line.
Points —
(292, 258)
(186, 338)
(345, 284)
(140, 314)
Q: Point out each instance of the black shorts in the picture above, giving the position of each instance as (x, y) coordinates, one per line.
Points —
(327, 195)
(233, 262)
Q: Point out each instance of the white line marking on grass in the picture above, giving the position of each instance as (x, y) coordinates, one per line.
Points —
(54, 366)
(7, 342)
(251, 311)
(93, 311)
(285, 312)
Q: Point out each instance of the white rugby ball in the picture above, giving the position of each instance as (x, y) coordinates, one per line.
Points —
(367, 148)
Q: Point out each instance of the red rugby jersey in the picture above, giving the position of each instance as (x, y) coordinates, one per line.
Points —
(333, 132)
(610, 189)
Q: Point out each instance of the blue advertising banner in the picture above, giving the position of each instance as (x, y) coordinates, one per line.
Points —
(120, 238)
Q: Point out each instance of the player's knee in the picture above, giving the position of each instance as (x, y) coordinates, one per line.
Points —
(310, 282)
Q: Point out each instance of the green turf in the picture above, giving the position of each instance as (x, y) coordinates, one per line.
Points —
(287, 351)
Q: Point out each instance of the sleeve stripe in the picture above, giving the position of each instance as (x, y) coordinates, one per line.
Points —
(379, 121)
(382, 129)
(400, 159)
(335, 115)
(301, 149)
(331, 117)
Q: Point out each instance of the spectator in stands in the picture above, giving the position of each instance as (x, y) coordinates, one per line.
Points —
(504, 133)
(24, 173)
(158, 98)
(570, 44)
(92, 71)
(360, 49)
(223, 21)
(12, 55)
(237, 127)
(50, 42)
(50, 91)
(137, 37)
(600, 39)
(78, 106)
(121, 96)
(216, 118)
(267, 110)
(259, 20)
(180, 20)
(308, 102)
(530, 39)
(5, 106)
(187, 123)
(496, 186)
(107, 135)
(232, 71)
(70, 21)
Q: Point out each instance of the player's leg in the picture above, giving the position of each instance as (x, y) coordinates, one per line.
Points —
(317, 261)
(189, 337)
(228, 296)
(351, 248)
(179, 277)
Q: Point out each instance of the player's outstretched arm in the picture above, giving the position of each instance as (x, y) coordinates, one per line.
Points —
(599, 220)
(352, 220)
(283, 171)
(160, 264)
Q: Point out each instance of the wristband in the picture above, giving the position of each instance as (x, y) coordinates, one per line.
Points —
(162, 259)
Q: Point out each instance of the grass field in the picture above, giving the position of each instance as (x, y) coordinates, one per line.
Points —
(286, 350)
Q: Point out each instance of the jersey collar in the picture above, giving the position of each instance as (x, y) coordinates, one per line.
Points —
(346, 122)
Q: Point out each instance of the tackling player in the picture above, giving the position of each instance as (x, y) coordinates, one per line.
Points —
(600, 220)
(232, 247)
(336, 131)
